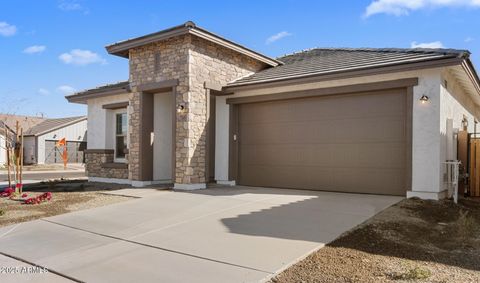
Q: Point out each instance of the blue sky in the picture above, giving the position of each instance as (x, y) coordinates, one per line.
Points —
(52, 47)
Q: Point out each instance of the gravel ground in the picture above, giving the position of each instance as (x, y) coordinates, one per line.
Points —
(413, 241)
(66, 197)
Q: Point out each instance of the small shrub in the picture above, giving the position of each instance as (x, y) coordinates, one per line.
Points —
(416, 273)
(39, 199)
(8, 192)
(2, 212)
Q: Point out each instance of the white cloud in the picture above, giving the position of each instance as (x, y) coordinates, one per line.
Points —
(34, 49)
(72, 5)
(43, 91)
(81, 57)
(277, 36)
(7, 29)
(469, 39)
(404, 7)
(434, 44)
(66, 89)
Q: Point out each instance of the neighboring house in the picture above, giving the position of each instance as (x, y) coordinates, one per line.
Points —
(10, 122)
(40, 140)
(199, 108)
(3, 151)
(41, 134)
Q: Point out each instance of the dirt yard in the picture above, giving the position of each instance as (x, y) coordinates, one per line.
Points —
(413, 241)
(66, 197)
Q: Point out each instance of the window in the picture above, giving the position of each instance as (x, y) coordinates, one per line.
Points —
(120, 135)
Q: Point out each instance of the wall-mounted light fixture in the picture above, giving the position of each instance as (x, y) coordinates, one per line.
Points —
(464, 123)
(181, 108)
(424, 98)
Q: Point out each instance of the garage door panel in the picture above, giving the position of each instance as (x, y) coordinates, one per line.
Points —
(377, 180)
(353, 143)
(331, 155)
(330, 107)
(333, 130)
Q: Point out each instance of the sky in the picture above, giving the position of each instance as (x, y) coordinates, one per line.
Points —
(52, 48)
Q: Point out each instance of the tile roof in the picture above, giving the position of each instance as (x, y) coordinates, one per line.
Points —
(102, 88)
(319, 61)
(52, 124)
(25, 122)
(113, 88)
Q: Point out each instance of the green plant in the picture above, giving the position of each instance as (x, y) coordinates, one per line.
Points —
(2, 212)
(416, 273)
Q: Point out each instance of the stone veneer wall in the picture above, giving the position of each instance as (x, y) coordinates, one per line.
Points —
(192, 61)
(95, 162)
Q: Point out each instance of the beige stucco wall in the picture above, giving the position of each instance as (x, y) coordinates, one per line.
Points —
(428, 123)
(455, 103)
(100, 121)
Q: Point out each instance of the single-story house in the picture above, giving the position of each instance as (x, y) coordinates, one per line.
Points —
(41, 135)
(3, 150)
(199, 108)
(40, 140)
(10, 122)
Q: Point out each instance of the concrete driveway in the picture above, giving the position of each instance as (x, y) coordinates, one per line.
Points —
(235, 234)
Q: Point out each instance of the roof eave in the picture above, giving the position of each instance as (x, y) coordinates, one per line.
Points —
(122, 48)
(471, 73)
(82, 97)
(344, 74)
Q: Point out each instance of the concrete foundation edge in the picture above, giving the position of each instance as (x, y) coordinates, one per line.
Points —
(109, 180)
(189, 187)
(427, 195)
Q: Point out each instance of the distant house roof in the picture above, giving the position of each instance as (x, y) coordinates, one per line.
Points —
(3, 127)
(121, 48)
(103, 90)
(323, 61)
(24, 122)
(49, 125)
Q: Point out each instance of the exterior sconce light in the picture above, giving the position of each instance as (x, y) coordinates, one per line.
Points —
(464, 123)
(424, 99)
(181, 108)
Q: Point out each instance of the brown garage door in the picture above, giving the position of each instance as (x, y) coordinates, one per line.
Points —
(347, 143)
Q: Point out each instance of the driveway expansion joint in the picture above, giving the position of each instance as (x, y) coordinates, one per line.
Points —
(158, 248)
(43, 267)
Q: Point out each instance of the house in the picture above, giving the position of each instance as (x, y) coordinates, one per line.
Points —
(199, 108)
(40, 140)
(41, 134)
(3, 150)
(8, 125)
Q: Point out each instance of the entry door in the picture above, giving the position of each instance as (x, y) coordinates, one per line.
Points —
(347, 143)
(162, 136)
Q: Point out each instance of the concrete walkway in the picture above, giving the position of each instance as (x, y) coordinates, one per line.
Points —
(216, 235)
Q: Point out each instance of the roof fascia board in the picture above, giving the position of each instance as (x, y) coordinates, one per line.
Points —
(136, 42)
(121, 48)
(472, 74)
(82, 98)
(303, 79)
(234, 46)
